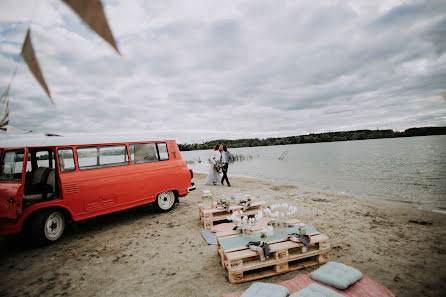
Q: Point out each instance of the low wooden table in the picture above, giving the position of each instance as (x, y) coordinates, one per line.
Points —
(244, 264)
(210, 215)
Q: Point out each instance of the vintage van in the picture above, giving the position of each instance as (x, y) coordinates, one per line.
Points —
(46, 182)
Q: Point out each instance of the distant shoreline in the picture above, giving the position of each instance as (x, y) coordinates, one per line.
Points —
(317, 137)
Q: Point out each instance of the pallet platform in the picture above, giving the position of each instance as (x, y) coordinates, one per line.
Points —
(210, 215)
(244, 264)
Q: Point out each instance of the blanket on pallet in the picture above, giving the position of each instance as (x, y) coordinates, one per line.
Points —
(366, 287)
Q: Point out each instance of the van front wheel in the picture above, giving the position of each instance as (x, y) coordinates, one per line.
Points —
(165, 201)
(47, 226)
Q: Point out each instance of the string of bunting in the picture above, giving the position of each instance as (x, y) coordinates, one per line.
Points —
(4, 104)
(90, 12)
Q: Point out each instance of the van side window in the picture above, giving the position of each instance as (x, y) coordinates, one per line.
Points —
(143, 153)
(102, 156)
(162, 149)
(45, 159)
(11, 166)
(66, 159)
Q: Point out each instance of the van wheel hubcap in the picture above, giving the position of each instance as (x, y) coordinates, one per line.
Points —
(166, 200)
(54, 226)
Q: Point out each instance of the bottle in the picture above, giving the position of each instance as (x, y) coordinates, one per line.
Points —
(302, 229)
(206, 199)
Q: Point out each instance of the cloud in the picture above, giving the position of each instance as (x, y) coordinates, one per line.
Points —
(204, 70)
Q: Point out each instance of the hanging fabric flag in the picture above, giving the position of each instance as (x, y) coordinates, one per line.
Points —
(4, 109)
(30, 58)
(92, 13)
(444, 95)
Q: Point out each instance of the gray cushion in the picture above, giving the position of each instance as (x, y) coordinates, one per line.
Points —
(51, 178)
(265, 290)
(32, 197)
(315, 290)
(40, 175)
(336, 275)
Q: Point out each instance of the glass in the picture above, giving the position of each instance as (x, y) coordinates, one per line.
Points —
(66, 159)
(143, 153)
(113, 155)
(162, 150)
(233, 200)
(206, 199)
(12, 165)
(87, 157)
(101, 156)
(302, 229)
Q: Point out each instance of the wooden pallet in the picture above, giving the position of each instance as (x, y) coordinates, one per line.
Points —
(244, 264)
(234, 232)
(210, 215)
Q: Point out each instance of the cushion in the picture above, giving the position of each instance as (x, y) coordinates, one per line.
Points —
(336, 275)
(259, 289)
(223, 227)
(209, 237)
(315, 290)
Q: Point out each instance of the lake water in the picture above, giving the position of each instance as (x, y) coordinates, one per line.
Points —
(409, 170)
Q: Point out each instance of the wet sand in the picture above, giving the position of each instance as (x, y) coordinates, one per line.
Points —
(139, 252)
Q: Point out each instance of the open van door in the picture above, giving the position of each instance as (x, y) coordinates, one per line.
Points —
(12, 180)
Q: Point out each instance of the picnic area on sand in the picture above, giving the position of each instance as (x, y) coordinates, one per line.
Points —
(140, 252)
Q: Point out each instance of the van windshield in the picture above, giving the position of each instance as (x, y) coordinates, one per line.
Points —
(11, 165)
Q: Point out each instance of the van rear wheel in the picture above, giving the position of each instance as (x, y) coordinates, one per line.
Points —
(47, 226)
(165, 201)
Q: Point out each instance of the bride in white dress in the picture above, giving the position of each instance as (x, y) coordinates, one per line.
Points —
(214, 176)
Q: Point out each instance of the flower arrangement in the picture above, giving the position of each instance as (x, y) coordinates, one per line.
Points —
(244, 223)
(278, 213)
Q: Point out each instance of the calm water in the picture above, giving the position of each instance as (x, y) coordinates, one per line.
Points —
(410, 170)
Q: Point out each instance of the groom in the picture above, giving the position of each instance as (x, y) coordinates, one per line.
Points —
(226, 158)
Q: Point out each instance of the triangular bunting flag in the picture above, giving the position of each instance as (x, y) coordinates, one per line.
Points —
(4, 109)
(444, 95)
(92, 13)
(30, 58)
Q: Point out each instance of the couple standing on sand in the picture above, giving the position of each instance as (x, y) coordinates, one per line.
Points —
(220, 159)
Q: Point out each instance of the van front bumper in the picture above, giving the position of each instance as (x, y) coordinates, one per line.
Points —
(191, 188)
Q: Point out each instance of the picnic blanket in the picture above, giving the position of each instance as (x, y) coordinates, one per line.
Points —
(209, 237)
(225, 227)
(235, 242)
(366, 287)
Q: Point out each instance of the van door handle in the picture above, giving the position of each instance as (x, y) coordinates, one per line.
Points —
(10, 200)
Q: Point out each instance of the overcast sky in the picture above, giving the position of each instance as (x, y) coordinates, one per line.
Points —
(201, 70)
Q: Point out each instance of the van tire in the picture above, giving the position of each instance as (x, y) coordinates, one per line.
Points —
(47, 226)
(165, 201)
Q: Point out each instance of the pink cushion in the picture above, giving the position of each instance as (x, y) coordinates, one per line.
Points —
(223, 227)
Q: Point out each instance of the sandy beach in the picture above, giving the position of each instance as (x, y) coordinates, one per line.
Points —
(139, 252)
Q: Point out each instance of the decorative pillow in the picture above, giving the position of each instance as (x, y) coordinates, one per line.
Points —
(223, 227)
(265, 290)
(315, 290)
(336, 275)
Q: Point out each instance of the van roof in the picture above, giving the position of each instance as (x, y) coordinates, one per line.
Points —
(30, 140)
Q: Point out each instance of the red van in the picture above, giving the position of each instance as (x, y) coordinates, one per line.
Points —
(45, 182)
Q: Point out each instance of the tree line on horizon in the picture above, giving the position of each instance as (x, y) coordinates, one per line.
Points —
(316, 137)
